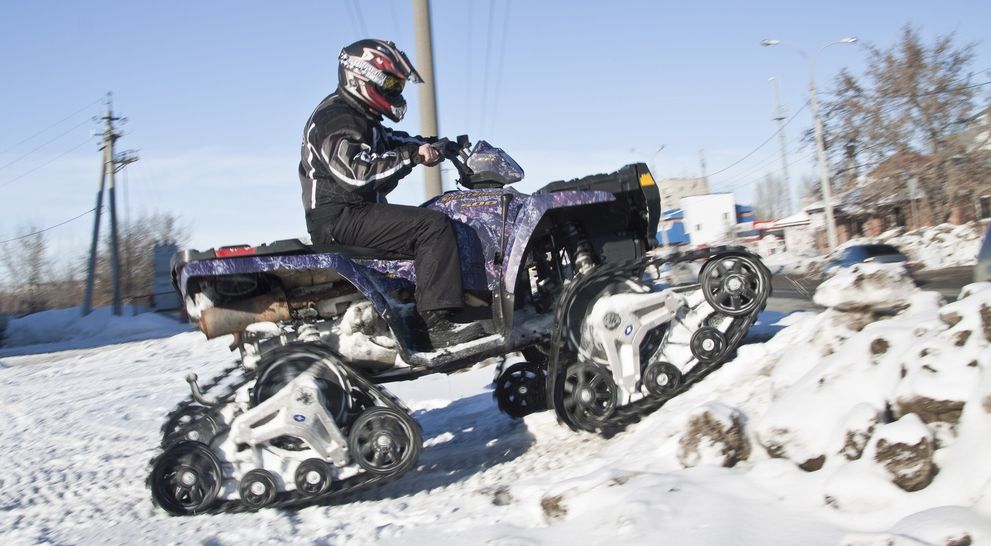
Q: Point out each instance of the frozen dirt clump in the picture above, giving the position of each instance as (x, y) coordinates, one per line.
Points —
(715, 435)
(905, 450)
(857, 429)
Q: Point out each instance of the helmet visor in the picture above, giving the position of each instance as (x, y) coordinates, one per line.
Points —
(393, 86)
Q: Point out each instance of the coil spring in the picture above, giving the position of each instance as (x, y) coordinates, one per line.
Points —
(584, 260)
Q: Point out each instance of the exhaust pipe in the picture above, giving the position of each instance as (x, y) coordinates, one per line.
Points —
(234, 316)
(238, 315)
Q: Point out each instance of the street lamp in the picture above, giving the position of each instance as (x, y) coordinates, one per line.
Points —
(827, 191)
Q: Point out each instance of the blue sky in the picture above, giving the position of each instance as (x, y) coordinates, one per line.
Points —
(217, 93)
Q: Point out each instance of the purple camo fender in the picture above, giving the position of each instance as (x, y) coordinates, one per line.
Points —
(373, 284)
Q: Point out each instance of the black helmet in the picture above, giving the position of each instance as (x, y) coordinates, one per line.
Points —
(375, 72)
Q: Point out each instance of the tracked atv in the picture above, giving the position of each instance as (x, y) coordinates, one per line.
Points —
(563, 276)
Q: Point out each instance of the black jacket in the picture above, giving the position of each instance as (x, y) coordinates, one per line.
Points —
(349, 158)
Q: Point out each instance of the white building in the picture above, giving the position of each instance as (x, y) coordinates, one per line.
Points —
(709, 219)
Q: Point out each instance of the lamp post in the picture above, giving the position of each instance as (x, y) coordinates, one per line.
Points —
(660, 196)
(827, 191)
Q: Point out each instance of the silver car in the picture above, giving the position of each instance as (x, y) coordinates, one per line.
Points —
(982, 271)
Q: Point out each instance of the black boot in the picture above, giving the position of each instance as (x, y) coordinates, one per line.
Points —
(444, 333)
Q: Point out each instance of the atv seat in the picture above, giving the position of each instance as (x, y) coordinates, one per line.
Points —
(359, 252)
(295, 246)
(287, 247)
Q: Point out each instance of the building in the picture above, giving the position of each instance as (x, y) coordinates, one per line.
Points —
(705, 220)
(674, 189)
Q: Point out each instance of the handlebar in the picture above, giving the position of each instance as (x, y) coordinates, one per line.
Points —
(457, 153)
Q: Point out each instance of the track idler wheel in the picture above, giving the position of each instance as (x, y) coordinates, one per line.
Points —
(520, 390)
(385, 441)
(257, 489)
(708, 344)
(661, 379)
(313, 477)
(590, 395)
(734, 285)
(186, 479)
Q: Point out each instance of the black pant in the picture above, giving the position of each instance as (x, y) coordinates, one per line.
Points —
(425, 234)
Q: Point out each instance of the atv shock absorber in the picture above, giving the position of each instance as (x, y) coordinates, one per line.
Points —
(582, 252)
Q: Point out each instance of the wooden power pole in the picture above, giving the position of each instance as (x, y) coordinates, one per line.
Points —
(428, 95)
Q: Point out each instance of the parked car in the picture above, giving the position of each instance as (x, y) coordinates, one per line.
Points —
(982, 271)
(868, 253)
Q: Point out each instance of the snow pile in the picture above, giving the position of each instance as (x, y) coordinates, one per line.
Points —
(945, 245)
(61, 329)
(869, 286)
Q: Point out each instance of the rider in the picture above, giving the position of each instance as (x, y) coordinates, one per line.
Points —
(350, 161)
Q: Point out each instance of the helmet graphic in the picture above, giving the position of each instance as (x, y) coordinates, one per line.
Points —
(375, 72)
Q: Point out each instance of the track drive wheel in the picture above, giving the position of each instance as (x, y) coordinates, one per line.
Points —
(186, 479)
(589, 397)
(661, 379)
(520, 390)
(280, 366)
(734, 284)
(385, 441)
(257, 488)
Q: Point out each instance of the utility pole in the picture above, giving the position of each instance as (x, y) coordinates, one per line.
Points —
(827, 190)
(110, 165)
(780, 118)
(428, 96)
(705, 177)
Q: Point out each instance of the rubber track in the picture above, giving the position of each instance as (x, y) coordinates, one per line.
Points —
(561, 351)
(292, 499)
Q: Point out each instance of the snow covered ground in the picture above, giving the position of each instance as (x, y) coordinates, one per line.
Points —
(868, 424)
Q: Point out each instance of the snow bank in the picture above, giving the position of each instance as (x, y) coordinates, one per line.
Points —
(945, 245)
(868, 286)
(62, 329)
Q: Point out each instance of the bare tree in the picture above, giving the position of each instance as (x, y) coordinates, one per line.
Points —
(772, 198)
(28, 268)
(912, 102)
(809, 190)
(136, 249)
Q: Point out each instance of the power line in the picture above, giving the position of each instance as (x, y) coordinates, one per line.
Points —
(488, 55)
(734, 187)
(46, 143)
(354, 20)
(925, 94)
(361, 18)
(57, 123)
(60, 224)
(502, 56)
(762, 144)
(50, 161)
(400, 35)
(468, 78)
